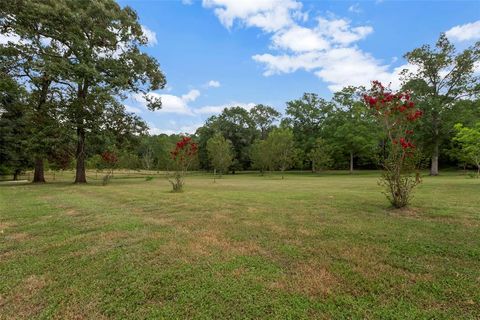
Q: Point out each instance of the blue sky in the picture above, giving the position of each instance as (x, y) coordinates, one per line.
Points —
(218, 53)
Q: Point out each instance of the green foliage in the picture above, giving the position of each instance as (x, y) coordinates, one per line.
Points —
(351, 128)
(397, 113)
(236, 125)
(260, 156)
(281, 148)
(441, 78)
(306, 117)
(94, 57)
(220, 152)
(469, 140)
(14, 128)
(321, 155)
(264, 117)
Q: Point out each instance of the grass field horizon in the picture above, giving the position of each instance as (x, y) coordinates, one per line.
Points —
(324, 246)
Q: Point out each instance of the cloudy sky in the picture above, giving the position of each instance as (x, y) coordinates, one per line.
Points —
(219, 53)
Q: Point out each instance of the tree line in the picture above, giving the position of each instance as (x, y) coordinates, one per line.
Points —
(72, 63)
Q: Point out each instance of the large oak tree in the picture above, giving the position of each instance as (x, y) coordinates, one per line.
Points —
(440, 77)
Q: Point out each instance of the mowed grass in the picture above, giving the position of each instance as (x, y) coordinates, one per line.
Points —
(246, 247)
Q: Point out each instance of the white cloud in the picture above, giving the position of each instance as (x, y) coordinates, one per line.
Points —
(187, 2)
(132, 109)
(192, 95)
(326, 49)
(270, 15)
(464, 32)
(355, 8)
(339, 31)
(171, 103)
(151, 36)
(299, 39)
(213, 84)
(208, 110)
(187, 129)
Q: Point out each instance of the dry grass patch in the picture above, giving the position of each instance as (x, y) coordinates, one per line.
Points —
(23, 303)
(310, 278)
(78, 310)
(20, 236)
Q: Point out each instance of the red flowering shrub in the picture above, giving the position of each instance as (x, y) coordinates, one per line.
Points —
(396, 112)
(183, 156)
(109, 160)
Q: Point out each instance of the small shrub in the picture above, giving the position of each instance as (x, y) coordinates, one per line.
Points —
(473, 175)
(106, 179)
(183, 155)
(149, 178)
(397, 113)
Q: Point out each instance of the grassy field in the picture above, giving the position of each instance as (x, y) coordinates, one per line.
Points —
(307, 247)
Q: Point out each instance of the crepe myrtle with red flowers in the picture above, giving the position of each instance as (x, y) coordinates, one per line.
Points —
(109, 159)
(397, 113)
(183, 155)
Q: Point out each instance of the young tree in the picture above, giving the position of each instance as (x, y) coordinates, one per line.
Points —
(236, 125)
(441, 77)
(350, 126)
(109, 161)
(147, 158)
(264, 117)
(261, 156)
(183, 156)
(469, 140)
(281, 146)
(396, 113)
(320, 155)
(220, 153)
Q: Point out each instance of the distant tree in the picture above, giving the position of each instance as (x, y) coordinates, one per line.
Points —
(261, 156)
(264, 117)
(281, 146)
(236, 125)
(469, 140)
(147, 158)
(440, 78)
(220, 153)
(306, 116)
(320, 155)
(350, 127)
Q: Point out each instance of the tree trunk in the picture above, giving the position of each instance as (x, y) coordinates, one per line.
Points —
(80, 175)
(15, 174)
(39, 172)
(434, 166)
(351, 162)
(214, 175)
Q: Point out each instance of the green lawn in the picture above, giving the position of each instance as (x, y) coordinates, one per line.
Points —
(307, 247)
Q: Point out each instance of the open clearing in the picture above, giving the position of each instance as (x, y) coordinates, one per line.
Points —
(310, 246)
